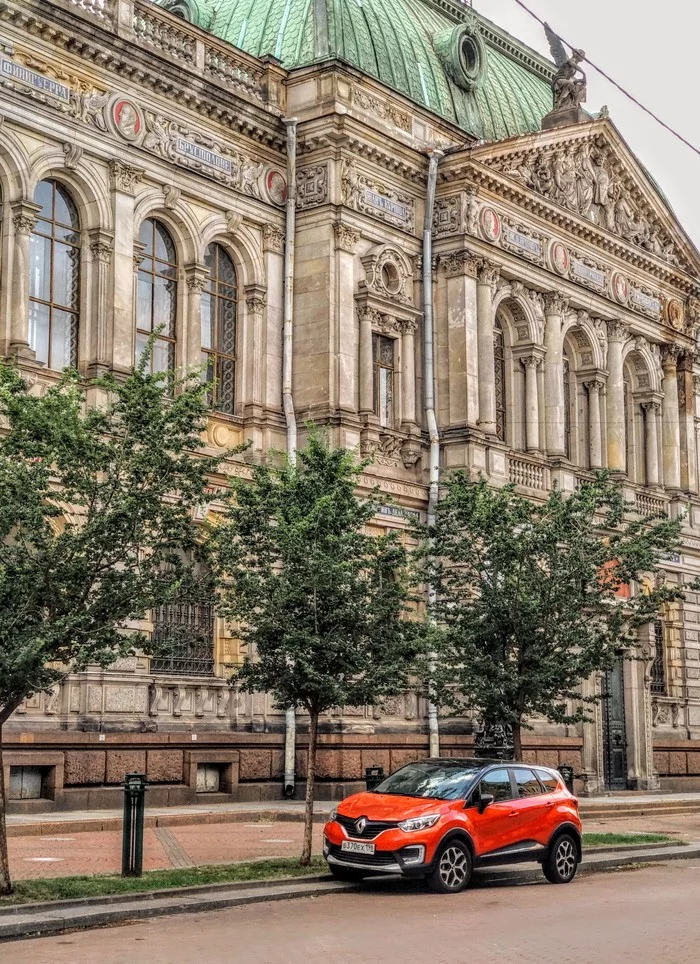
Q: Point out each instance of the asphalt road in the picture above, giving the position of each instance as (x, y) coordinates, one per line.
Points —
(648, 915)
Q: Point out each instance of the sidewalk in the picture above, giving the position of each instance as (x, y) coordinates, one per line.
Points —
(66, 844)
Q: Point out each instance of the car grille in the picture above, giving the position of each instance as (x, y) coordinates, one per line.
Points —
(380, 858)
(372, 828)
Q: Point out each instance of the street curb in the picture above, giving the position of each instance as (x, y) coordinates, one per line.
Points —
(24, 921)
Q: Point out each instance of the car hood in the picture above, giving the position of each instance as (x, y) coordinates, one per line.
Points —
(388, 806)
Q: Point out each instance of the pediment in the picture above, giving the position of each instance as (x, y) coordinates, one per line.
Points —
(590, 171)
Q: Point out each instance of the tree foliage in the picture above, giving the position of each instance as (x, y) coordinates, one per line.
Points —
(321, 601)
(96, 521)
(531, 598)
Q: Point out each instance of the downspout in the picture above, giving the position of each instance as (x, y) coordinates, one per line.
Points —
(290, 728)
(429, 395)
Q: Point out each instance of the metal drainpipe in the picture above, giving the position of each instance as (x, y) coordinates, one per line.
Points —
(290, 728)
(429, 394)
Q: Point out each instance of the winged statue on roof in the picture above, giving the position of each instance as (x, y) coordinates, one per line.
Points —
(568, 87)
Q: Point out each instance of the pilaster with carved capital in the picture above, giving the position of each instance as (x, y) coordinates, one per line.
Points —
(197, 277)
(670, 356)
(487, 277)
(555, 303)
(671, 416)
(123, 177)
(273, 239)
(595, 388)
(100, 314)
(488, 273)
(618, 331)
(253, 342)
(24, 216)
(531, 363)
(345, 238)
(460, 264)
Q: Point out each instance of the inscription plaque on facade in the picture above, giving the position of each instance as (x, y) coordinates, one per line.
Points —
(31, 78)
(198, 153)
(394, 208)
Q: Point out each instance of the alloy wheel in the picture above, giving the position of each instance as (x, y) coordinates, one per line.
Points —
(454, 867)
(566, 859)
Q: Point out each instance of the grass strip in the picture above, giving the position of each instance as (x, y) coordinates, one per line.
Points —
(103, 885)
(622, 839)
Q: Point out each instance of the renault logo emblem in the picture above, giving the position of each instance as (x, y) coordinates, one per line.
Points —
(360, 824)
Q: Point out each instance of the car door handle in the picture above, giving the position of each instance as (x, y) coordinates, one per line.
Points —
(514, 813)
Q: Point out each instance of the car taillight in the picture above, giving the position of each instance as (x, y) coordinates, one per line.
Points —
(574, 800)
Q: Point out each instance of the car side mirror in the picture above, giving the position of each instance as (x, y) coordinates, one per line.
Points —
(485, 800)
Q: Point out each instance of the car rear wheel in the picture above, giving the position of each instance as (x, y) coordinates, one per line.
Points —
(347, 874)
(562, 861)
(453, 868)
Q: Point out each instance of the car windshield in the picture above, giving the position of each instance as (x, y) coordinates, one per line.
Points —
(443, 781)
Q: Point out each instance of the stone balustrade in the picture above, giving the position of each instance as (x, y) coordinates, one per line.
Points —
(647, 504)
(144, 24)
(528, 473)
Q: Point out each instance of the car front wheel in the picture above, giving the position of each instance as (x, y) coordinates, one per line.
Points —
(562, 862)
(453, 868)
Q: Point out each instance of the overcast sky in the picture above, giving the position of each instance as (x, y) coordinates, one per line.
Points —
(653, 51)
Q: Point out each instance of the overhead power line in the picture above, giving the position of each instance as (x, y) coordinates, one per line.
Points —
(615, 84)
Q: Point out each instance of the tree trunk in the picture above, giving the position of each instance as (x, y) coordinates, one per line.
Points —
(310, 780)
(5, 879)
(517, 742)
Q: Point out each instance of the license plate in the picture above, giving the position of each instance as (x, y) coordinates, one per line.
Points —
(350, 847)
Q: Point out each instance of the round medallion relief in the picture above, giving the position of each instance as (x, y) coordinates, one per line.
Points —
(620, 288)
(675, 314)
(127, 119)
(559, 257)
(276, 187)
(490, 224)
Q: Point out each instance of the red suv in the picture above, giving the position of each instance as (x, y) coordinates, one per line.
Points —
(438, 819)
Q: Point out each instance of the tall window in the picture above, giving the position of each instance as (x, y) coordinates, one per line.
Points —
(184, 631)
(567, 408)
(629, 431)
(499, 361)
(219, 329)
(156, 300)
(383, 353)
(658, 668)
(54, 278)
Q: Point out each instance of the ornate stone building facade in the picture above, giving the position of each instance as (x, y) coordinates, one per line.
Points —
(145, 154)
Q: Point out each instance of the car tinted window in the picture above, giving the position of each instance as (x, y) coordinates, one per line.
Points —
(439, 779)
(549, 780)
(497, 782)
(527, 783)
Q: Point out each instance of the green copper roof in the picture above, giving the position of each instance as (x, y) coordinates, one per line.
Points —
(402, 43)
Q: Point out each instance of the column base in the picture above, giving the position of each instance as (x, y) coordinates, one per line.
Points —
(23, 353)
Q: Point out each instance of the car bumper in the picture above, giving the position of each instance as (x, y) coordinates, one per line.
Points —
(395, 853)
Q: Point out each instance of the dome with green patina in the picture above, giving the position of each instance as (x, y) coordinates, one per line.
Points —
(439, 53)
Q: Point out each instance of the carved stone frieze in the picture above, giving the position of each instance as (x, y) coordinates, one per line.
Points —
(364, 194)
(312, 186)
(382, 109)
(585, 179)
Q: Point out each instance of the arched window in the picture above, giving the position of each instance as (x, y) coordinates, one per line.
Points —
(658, 666)
(156, 301)
(499, 361)
(219, 329)
(54, 278)
(567, 408)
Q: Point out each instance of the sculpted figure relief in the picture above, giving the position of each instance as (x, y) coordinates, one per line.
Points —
(569, 82)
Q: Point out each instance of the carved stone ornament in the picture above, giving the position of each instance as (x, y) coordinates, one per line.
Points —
(125, 118)
(171, 196)
(24, 221)
(489, 273)
(675, 314)
(382, 109)
(584, 178)
(233, 223)
(101, 249)
(559, 258)
(490, 224)
(620, 288)
(617, 330)
(460, 264)
(669, 357)
(312, 186)
(345, 238)
(447, 216)
(569, 82)
(523, 241)
(555, 303)
(389, 274)
(123, 177)
(74, 155)
(371, 197)
(273, 238)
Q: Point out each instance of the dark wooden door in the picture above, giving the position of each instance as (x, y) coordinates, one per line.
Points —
(614, 734)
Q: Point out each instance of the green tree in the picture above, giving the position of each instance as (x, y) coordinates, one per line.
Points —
(531, 598)
(95, 522)
(321, 601)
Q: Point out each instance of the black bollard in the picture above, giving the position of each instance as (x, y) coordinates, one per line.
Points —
(132, 832)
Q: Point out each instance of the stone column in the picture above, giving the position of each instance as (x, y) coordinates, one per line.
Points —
(531, 364)
(98, 348)
(671, 418)
(346, 242)
(696, 393)
(618, 333)
(23, 221)
(408, 373)
(196, 278)
(555, 308)
(252, 386)
(488, 275)
(594, 388)
(462, 375)
(120, 335)
(368, 317)
(686, 398)
(273, 247)
(651, 441)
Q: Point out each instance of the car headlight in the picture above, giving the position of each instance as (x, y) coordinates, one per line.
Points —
(419, 823)
(333, 815)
